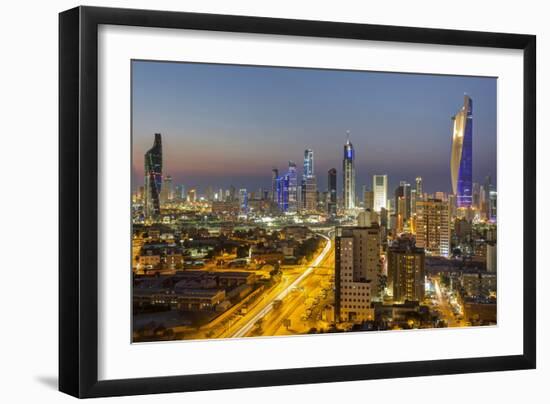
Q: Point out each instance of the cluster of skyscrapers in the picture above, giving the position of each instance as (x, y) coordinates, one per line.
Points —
(404, 227)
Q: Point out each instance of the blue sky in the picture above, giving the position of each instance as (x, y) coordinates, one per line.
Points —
(230, 125)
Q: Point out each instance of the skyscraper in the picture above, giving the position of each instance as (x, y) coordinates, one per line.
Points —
(432, 227)
(419, 189)
(292, 187)
(380, 188)
(461, 155)
(309, 183)
(406, 270)
(274, 176)
(357, 272)
(403, 191)
(243, 200)
(349, 175)
(153, 179)
(332, 193)
(308, 163)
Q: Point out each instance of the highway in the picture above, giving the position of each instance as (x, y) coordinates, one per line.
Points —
(267, 306)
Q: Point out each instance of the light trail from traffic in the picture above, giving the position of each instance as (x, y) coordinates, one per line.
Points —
(269, 306)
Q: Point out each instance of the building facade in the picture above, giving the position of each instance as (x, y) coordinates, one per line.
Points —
(461, 155)
(358, 271)
(349, 176)
(406, 271)
(309, 183)
(153, 179)
(380, 188)
(332, 193)
(432, 227)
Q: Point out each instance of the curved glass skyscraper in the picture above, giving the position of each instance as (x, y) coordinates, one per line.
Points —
(153, 178)
(349, 175)
(461, 155)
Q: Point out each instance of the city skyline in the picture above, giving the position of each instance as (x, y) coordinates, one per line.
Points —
(184, 157)
(248, 223)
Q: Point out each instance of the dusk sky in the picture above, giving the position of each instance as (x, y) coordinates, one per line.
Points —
(225, 125)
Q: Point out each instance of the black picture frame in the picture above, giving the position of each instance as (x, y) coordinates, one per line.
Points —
(78, 201)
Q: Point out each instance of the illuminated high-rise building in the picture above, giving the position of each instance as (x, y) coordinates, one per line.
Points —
(274, 176)
(406, 270)
(357, 272)
(461, 155)
(349, 175)
(292, 187)
(380, 188)
(332, 193)
(243, 200)
(308, 163)
(153, 179)
(432, 227)
(403, 191)
(309, 183)
(419, 189)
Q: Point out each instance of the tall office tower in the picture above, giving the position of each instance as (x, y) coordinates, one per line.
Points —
(406, 270)
(349, 175)
(274, 176)
(403, 191)
(413, 202)
(401, 212)
(243, 200)
(461, 155)
(309, 192)
(308, 163)
(432, 227)
(309, 183)
(358, 270)
(227, 195)
(332, 193)
(153, 179)
(368, 200)
(292, 187)
(380, 188)
(419, 189)
(220, 195)
(282, 193)
(232, 193)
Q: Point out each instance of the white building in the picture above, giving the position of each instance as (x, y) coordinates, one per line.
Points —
(380, 188)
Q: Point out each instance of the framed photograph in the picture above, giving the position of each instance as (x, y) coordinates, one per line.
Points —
(251, 201)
